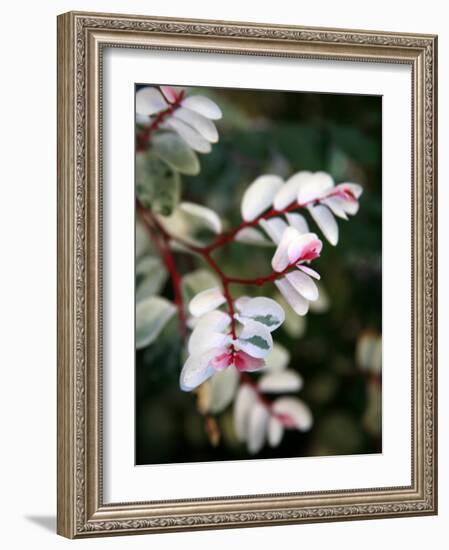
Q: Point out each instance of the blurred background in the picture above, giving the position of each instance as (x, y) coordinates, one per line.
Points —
(337, 347)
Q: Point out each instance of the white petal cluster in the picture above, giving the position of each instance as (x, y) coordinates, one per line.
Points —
(190, 117)
(298, 286)
(213, 348)
(315, 191)
(258, 421)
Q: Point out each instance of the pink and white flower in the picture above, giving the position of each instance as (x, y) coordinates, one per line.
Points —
(190, 117)
(297, 286)
(258, 421)
(316, 192)
(213, 348)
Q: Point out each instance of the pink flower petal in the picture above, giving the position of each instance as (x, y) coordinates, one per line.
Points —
(305, 248)
(170, 93)
(222, 361)
(245, 363)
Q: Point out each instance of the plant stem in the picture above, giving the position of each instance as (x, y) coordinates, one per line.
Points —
(144, 136)
(161, 240)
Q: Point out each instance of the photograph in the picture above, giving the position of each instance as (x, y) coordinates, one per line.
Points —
(258, 274)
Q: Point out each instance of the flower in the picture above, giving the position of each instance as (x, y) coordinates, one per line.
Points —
(190, 117)
(315, 191)
(258, 420)
(212, 347)
(297, 286)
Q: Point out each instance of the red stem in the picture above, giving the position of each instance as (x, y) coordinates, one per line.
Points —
(163, 246)
(227, 237)
(144, 136)
(206, 253)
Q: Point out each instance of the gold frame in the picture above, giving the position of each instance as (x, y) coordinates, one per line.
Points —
(81, 38)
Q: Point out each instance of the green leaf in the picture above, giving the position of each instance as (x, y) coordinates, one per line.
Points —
(152, 315)
(176, 153)
(150, 277)
(158, 186)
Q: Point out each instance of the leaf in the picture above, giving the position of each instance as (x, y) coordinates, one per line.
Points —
(202, 105)
(280, 382)
(250, 235)
(157, 184)
(262, 310)
(246, 397)
(257, 427)
(297, 413)
(325, 220)
(176, 153)
(255, 339)
(200, 123)
(259, 196)
(152, 315)
(195, 282)
(150, 277)
(206, 301)
(189, 135)
(201, 216)
(149, 101)
(196, 370)
(222, 388)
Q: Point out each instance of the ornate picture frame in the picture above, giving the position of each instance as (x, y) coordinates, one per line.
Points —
(82, 38)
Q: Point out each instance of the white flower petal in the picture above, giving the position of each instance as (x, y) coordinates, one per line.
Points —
(189, 135)
(274, 228)
(309, 271)
(296, 411)
(259, 196)
(288, 193)
(216, 321)
(250, 235)
(255, 340)
(299, 304)
(202, 105)
(303, 284)
(262, 310)
(201, 124)
(241, 301)
(297, 221)
(275, 432)
(257, 427)
(206, 301)
(222, 388)
(203, 338)
(336, 205)
(246, 397)
(207, 215)
(352, 207)
(196, 370)
(280, 259)
(149, 101)
(316, 186)
(280, 382)
(326, 222)
(277, 360)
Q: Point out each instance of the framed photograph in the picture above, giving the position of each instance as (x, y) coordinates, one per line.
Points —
(246, 274)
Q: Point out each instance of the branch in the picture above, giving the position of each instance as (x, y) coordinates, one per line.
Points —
(144, 136)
